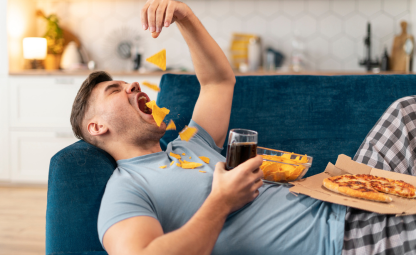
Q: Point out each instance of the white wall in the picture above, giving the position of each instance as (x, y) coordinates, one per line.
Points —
(332, 30)
(3, 39)
(4, 156)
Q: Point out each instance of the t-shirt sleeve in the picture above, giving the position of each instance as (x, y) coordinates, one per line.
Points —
(205, 136)
(122, 199)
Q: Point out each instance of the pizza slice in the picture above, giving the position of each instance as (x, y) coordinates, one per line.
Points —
(390, 186)
(350, 186)
(370, 187)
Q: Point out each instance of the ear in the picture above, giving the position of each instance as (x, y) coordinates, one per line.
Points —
(96, 129)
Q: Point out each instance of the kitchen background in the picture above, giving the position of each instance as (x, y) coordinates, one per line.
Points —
(331, 31)
(35, 105)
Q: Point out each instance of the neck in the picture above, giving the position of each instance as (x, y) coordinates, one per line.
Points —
(125, 151)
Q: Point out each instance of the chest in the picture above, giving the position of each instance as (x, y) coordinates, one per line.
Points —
(178, 193)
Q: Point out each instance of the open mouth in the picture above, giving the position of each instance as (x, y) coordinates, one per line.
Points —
(142, 99)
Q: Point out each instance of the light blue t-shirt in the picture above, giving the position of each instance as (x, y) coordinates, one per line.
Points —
(276, 222)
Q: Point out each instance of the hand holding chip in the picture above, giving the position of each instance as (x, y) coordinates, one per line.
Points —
(158, 13)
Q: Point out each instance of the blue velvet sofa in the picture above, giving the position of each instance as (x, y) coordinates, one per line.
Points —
(321, 116)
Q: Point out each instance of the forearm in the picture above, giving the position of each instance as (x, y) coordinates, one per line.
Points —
(210, 62)
(197, 236)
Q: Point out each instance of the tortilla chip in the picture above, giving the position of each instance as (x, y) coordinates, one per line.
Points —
(159, 59)
(151, 104)
(177, 156)
(295, 173)
(157, 113)
(190, 157)
(183, 154)
(151, 86)
(279, 176)
(187, 133)
(269, 170)
(205, 159)
(171, 163)
(202, 171)
(171, 125)
(190, 165)
(163, 167)
(178, 164)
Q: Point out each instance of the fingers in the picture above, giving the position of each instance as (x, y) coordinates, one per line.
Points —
(258, 184)
(256, 194)
(156, 14)
(151, 16)
(160, 15)
(252, 164)
(220, 166)
(143, 16)
(169, 14)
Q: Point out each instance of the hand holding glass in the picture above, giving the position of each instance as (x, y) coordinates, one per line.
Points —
(242, 145)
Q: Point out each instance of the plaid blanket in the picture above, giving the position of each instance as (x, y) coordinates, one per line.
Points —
(390, 145)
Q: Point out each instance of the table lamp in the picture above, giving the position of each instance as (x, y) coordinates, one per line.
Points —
(34, 49)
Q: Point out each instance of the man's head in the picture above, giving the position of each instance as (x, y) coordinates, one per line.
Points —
(107, 112)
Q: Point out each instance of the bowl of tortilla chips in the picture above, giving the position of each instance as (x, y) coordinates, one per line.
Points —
(282, 166)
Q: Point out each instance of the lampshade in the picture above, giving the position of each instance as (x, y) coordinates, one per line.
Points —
(34, 48)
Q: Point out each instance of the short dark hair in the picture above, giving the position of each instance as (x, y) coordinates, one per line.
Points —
(81, 102)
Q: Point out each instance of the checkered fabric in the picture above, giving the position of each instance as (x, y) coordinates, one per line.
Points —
(390, 145)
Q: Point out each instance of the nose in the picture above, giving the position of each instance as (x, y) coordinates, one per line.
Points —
(133, 87)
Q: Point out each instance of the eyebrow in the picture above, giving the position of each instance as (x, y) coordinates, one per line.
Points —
(114, 85)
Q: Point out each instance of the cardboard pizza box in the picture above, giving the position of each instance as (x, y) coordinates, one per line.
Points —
(312, 186)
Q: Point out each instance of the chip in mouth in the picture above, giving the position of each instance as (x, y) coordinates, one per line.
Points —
(142, 99)
(157, 113)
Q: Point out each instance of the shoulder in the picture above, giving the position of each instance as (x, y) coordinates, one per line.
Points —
(201, 138)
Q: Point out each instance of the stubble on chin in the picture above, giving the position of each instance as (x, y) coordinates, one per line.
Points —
(137, 131)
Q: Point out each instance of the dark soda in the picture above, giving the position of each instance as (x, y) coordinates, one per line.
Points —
(237, 153)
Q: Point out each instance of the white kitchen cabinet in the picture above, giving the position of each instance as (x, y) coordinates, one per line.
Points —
(4, 134)
(39, 109)
(42, 102)
(31, 153)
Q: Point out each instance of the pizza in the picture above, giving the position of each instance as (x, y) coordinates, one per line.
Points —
(370, 187)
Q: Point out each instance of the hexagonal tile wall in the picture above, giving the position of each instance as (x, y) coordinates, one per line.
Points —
(280, 26)
(332, 31)
(344, 8)
(330, 26)
(342, 48)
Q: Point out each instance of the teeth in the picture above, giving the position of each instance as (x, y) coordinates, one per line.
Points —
(142, 97)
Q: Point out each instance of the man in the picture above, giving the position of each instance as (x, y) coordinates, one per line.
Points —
(149, 210)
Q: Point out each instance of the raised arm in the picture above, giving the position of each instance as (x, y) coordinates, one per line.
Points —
(213, 108)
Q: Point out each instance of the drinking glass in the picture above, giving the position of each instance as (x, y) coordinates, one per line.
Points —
(242, 145)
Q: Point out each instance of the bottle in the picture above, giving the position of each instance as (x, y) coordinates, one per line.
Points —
(385, 61)
(254, 52)
(297, 57)
(137, 57)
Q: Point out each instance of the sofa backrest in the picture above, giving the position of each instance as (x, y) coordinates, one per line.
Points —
(321, 116)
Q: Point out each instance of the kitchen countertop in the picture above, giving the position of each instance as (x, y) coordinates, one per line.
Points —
(160, 73)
